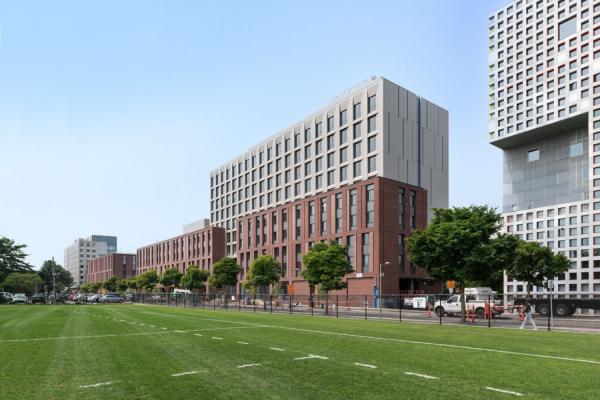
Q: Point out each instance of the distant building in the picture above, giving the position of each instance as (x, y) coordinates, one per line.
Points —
(201, 248)
(120, 265)
(77, 255)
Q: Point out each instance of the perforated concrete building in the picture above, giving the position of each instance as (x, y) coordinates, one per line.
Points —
(544, 70)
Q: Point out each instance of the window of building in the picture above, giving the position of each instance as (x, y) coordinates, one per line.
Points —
(311, 218)
(372, 164)
(576, 149)
(339, 212)
(330, 124)
(356, 131)
(284, 224)
(401, 252)
(567, 28)
(372, 144)
(366, 252)
(343, 136)
(370, 205)
(284, 261)
(274, 227)
(356, 109)
(298, 260)
(343, 119)
(351, 243)
(412, 209)
(357, 169)
(533, 155)
(318, 129)
(344, 173)
(298, 225)
(401, 204)
(357, 146)
(323, 215)
(353, 204)
(372, 124)
(372, 104)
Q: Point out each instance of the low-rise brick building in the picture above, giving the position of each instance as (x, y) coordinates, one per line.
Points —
(201, 247)
(120, 265)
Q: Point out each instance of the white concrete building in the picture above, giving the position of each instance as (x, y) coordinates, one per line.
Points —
(77, 254)
(544, 70)
(376, 128)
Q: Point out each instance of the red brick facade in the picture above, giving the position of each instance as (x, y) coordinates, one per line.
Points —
(201, 248)
(364, 215)
(117, 264)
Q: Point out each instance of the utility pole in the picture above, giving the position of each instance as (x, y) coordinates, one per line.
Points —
(53, 282)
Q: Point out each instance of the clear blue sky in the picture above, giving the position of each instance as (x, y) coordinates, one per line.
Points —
(112, 113)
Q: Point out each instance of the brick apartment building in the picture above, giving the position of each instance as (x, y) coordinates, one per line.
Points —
(365, 170)
(104, 267)
(201, 247)
(372, 217)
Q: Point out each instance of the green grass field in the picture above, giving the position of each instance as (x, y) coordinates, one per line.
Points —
(150, 352)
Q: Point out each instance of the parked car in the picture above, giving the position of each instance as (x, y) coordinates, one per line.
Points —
(6, 296)
(111, 298)
(19, 298)
(128, 296)
(60, 298)
(38, 298)
(92, 298)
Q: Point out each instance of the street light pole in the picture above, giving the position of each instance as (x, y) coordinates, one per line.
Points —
(380, 285)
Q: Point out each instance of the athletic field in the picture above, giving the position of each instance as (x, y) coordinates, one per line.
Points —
(153, 352)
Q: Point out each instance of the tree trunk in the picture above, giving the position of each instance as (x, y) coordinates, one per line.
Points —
(463, 303)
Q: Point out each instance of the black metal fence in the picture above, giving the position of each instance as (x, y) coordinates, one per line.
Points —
(485, 310)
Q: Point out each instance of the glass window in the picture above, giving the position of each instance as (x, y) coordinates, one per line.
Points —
(357, 149)
(366, 252)
(357, 169)
(351, 243)
(533, 155)
(372, 164)
(323, 215)
(353, 203)
(370, 206)
(356, 111)
(338, 213)
(372, 144)
(356, 131)
(318, 129)
(344, 173)
(567, 28)
(330, 124)
(412, 209)
(372, 104)
(401, 204)
(343, 115)
(372, 124)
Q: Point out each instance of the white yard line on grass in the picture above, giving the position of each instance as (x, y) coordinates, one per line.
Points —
(248, 365)
(276, 349)
(187, 373)
(217, 338)
(365, 365)
(504, 391)
(312, 356)
(197, 334)
(421, 375)
(97, 384)
(242, 342)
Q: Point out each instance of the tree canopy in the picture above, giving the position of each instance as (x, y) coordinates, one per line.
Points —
(12, 258)
(111, 284)
(171, 278)
(325, 264)
(194, 279)
(147, 280)
(224, 273)
(462, 244)
(534, 264)
(22, 282)
(63, 277)
(264, 271)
